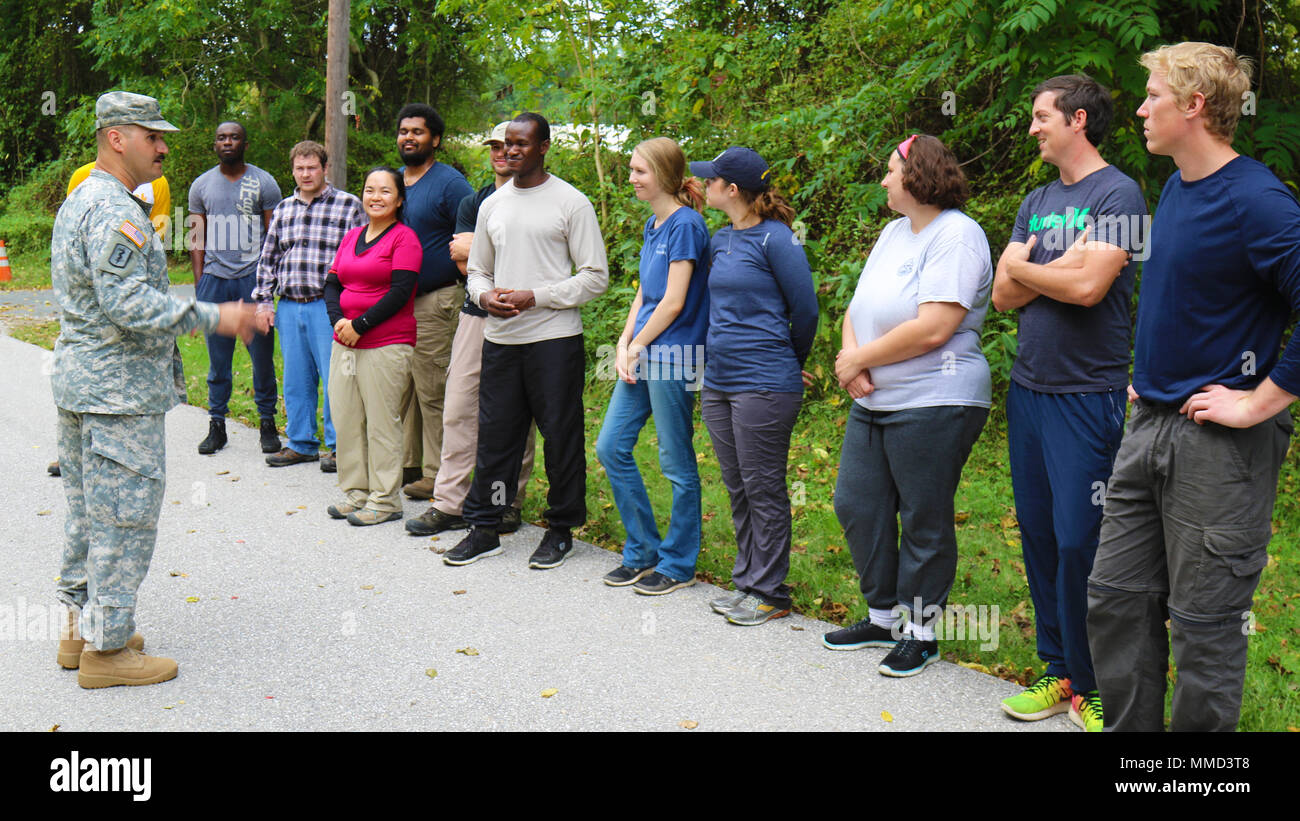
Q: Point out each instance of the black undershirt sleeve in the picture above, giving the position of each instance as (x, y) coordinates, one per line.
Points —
(333, 290)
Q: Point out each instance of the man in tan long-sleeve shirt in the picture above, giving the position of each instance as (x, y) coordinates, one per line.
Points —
(531, 236)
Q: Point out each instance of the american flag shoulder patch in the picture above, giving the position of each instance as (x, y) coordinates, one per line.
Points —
(132, 233)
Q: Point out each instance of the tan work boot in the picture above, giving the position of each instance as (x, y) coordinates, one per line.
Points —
(421, 488)
(71, 643)
(125, 666)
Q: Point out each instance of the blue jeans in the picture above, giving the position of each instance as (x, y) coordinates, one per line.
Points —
(672, 405)
(221, 350)
(305, 341)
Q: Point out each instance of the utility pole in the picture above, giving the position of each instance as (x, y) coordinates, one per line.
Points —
(337, 107)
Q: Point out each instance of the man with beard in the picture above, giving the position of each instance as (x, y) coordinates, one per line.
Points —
(434, 191)
(232, 204)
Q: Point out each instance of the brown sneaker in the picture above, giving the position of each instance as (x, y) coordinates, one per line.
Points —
(421, 488)
(289, 456)
(111, 668)
(71, 643)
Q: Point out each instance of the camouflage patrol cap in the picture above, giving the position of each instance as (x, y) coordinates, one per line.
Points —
(125, 108)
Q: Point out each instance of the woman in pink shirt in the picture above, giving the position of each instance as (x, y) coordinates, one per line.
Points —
(369, 294)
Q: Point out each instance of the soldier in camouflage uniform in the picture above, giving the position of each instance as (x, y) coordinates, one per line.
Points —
(117, 370)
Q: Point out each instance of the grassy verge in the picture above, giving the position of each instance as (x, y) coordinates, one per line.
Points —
(990, 572)
(31, 271)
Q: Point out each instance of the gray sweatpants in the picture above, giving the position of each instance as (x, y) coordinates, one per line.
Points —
(751, 435)
(904, 465)
(1185, 537)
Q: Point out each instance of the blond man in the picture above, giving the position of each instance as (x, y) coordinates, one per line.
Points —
(1189, 505)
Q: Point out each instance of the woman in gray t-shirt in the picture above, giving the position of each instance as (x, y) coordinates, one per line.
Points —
(912, 362)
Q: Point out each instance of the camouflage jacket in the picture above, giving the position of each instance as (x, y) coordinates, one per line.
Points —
(117, 351)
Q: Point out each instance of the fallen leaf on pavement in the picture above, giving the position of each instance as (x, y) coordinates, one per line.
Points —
(191, 599)
(431, 673)
(290, 512)
(57, 726)
(887, 716)
(222, 472)
(688, 724)
(971, 665)
(458, 592)
(796, 629)
(549, 691)
(367, 587)
(467, 651)
(44, 512)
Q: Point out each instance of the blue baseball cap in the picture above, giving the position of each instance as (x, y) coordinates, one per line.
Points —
(743, 166)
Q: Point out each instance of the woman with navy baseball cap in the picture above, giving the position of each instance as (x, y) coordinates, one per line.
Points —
(762, 320)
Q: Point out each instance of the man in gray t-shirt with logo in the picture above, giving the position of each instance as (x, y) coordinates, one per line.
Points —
(1065, 405)
(232, 204)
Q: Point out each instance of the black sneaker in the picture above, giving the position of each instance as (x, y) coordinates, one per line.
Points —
(478, 543)
(511, 520)
(433, 521)
(53, 468)
(863, 634)
(270, 436)
(909, 657)
(555, 548)
(657, 584)
(216, 438)
(623, 575)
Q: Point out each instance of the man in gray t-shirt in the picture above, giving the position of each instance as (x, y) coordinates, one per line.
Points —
(232, 205)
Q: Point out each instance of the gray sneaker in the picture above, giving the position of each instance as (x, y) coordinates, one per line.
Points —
(727, 601)
(622, 576)
(753, 611)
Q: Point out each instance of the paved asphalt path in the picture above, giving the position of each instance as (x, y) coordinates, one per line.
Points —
(284, 619)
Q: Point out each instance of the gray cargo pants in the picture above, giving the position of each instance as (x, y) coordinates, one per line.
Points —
(1185, 537)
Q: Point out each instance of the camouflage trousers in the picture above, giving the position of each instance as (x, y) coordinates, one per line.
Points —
(113, 474)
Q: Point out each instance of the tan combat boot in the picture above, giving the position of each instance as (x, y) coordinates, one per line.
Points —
(110, 668)
(71, 643)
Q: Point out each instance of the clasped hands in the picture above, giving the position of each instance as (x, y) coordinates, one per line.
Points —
(506, 302)
(852, 376)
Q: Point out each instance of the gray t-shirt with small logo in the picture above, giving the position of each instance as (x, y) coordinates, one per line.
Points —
(948, 261)
(233, 211)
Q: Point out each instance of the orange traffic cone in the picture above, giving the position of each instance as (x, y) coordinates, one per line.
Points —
(5, 273)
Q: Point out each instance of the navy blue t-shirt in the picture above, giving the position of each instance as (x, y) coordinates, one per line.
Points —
(431, 204)
(466, 221)
(1220, 286)
(762, 310)
(684, 235)
(1065, 348)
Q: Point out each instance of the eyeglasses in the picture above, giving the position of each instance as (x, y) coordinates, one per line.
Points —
(906, 146)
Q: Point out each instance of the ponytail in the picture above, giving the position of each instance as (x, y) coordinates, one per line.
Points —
(769, 205)
(691, 194)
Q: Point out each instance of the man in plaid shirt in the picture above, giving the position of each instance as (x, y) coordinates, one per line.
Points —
(301, 240)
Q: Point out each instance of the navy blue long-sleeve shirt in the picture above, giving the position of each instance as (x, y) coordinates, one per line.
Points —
(762, 310)
(1220, 286)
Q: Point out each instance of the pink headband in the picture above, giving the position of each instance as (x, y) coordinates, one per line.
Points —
(905, 146)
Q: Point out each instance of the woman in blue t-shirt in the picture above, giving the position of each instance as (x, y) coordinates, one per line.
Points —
(912, 360)
(660, 355)
(762, 320)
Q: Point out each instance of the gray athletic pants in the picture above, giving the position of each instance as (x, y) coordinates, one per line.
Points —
(751, 435)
